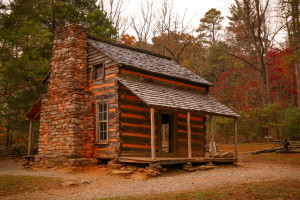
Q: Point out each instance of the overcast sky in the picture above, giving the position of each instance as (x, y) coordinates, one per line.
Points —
(195, 9)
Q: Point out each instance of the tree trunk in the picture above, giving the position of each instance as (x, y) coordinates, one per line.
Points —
(265, 84)
(294, 37)
(298, 81)
(7, 136)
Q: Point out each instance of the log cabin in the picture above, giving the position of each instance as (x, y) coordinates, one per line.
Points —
(111, 101)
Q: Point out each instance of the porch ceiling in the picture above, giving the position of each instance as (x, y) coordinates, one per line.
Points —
(158, 95)
(34, 112)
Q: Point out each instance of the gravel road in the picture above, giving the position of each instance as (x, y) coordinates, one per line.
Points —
(101, 185)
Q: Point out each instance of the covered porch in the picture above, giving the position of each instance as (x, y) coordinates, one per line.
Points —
(165, 99)
(208, 158)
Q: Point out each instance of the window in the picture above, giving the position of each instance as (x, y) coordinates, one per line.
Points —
(98, 72)
(102, 122)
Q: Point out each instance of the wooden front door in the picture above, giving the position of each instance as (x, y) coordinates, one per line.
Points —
(166, 135)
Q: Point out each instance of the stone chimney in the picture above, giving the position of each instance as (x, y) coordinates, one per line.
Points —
(67, 121)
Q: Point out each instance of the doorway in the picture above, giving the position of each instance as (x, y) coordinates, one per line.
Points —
(166, 144)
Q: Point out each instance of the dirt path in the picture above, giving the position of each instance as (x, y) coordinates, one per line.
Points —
(101, 185)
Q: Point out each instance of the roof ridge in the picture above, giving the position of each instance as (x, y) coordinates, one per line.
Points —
(129, 47)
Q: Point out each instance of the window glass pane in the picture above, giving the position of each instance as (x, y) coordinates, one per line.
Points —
(98, 72)
(101, 126)
(105, 136)
(105, 116)
(103, 123)
(104, 126)
(105, 107)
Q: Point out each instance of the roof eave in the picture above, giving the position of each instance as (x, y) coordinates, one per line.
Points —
(199, 111)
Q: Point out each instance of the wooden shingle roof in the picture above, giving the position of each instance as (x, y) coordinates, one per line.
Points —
(146, 61)
(158, 95)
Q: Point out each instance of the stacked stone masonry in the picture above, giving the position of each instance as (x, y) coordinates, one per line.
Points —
(67, 119)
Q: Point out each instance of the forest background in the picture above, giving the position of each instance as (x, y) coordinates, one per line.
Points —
(253, 62)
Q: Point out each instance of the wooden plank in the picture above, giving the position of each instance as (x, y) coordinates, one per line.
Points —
(110, 79)
(194, 122)
(140, 130)
(235, 139)
(189, 135)
(132, 109)
(136, 146)
(174, 160)
(212, 134)
(102, 85)
(196, 118)
(136, 140)
(104, 89)
(29, 137)
(193, 129)
(104, 92)
(134, 116)
(136, 135)
(152, 133)
(134, 120)
(203, 89)
(137, 125)
(135, 152)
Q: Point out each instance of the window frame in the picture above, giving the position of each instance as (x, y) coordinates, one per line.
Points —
(93, 71)
(98, 135)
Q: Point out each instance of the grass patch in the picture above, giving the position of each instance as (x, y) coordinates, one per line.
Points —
(12, 185)
(283, 189)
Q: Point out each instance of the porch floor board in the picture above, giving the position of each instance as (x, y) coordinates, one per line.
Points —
(175, 160)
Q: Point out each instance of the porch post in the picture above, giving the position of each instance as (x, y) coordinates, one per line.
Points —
(189, 135)
(235, 138)
(152, 134)
(29, 137)
(212, 136)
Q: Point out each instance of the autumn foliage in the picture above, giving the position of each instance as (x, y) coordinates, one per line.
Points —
(128, 40)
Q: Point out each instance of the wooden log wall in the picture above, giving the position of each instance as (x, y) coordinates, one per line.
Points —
(135, 125)
(105, 91)
(152, 78)
(198, 134)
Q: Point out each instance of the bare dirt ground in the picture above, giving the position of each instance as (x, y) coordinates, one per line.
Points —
(95, 183)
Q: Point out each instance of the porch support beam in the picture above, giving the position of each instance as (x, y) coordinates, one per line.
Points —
(29, 137)
(153, 156)
(235, 139)
(189, 135)
(212, 137)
